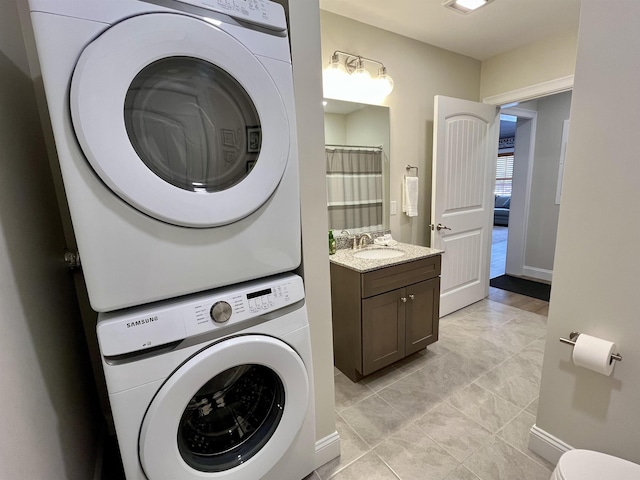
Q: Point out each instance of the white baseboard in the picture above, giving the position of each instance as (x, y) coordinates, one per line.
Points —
(538, 273)
(327, 449)
(546, 445)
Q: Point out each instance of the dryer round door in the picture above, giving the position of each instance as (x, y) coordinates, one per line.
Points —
(180, 120)
(231, 411)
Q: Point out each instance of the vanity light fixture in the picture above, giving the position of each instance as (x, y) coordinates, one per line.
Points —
(464, 6)
(350, 80)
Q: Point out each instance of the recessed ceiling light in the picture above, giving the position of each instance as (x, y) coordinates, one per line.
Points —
(464, 6)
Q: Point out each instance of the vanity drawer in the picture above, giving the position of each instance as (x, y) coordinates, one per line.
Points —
(390, 278)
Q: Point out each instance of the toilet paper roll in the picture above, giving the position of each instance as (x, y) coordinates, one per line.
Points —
(594, 353)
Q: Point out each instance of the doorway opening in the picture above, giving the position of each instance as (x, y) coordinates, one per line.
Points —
(502, 194)
(532, 182)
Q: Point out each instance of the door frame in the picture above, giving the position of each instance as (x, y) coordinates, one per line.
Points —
(532, 92)
(522, 178)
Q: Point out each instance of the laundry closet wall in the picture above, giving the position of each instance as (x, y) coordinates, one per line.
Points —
(46, 393)
(304, 21)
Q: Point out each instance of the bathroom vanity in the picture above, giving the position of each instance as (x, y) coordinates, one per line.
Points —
(383, 309)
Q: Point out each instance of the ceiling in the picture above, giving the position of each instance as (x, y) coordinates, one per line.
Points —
(497, 27)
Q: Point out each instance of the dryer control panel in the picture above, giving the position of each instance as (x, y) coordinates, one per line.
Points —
(259, 12)
(139, 328)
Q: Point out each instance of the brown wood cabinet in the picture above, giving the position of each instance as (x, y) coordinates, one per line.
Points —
(380, 317)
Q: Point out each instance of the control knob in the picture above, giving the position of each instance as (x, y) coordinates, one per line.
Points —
(220, 312)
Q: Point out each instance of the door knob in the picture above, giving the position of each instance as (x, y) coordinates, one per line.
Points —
(442, 227)
(411, 297)
(404, 299)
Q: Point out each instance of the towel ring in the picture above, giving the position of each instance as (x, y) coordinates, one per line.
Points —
(408, 168)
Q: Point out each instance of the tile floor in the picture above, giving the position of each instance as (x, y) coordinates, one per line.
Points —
(461, 410)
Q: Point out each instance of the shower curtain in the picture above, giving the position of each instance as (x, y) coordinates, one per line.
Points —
(354, 188)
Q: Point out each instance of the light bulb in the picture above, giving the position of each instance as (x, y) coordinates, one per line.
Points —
(334, 77)
(360, 80)
(361, 74)
(384, 82)
(335, 73)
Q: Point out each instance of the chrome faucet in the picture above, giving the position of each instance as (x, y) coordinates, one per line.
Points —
(350, 237)
(362, 240)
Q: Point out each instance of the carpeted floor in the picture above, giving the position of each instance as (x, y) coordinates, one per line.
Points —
(529, 288)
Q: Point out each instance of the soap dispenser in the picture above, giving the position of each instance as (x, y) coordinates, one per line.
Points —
(332, 243)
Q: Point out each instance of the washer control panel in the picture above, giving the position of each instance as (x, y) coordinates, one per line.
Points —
(139, 328)
(260, 12)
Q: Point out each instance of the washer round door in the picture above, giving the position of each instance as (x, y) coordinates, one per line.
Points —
(231, 411)
(180, 120)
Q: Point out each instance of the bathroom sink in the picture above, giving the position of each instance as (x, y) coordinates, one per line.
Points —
(379, 253)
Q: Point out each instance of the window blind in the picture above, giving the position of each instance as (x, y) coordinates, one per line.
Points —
(504, 174)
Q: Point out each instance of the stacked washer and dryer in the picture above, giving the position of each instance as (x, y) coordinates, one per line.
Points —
(175, 132)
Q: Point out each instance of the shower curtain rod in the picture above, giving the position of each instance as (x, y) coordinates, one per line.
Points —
(377, 147)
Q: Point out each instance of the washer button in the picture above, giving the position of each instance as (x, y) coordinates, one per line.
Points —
(221, 312)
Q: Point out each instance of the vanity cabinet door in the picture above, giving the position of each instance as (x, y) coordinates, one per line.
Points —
(422, 315)
(383, 330)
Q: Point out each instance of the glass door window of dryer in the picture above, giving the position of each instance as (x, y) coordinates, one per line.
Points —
(231, 418)
(192, 124)
(232, 410)
(194, 132)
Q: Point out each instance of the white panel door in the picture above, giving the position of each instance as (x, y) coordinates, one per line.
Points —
(464, 155)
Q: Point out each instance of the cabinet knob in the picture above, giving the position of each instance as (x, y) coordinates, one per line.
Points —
(412, 296)
(404, 299)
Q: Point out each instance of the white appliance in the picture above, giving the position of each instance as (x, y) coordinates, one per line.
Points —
(175, 132)
(215, 385)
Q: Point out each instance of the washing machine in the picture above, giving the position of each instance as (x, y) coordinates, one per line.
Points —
(175, 132)
(216, 385)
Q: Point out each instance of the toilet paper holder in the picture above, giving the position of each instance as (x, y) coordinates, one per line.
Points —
(572, 341)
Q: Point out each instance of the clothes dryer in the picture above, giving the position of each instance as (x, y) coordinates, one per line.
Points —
(217, 385)
(175, 131)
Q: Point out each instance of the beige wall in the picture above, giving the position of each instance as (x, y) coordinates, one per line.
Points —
(538, 62)
(335, 129)
(420, 72)
(543, 211)
(595, 287)
(46, 393)
(369, 126)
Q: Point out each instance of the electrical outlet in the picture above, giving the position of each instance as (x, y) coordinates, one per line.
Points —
(394, 207)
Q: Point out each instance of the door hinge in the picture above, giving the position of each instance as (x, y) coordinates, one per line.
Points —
(72, 259)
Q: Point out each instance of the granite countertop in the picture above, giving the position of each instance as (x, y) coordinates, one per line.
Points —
(344, 257)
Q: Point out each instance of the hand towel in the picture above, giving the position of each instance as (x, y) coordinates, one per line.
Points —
(385, 240)
(410, 196)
